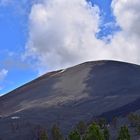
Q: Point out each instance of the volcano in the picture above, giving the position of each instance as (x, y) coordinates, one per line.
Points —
(82, 92)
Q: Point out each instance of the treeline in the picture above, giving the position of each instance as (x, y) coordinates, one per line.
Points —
(96, 130)
(82, 132)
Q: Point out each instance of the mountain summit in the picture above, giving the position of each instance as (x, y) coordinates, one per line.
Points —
(98, 88)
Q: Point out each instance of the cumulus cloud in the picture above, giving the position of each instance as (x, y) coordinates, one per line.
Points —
(63, 33)
(126, 42)
(127, 15)
(3, 74)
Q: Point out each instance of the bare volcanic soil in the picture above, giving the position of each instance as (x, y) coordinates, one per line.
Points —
(88, 90)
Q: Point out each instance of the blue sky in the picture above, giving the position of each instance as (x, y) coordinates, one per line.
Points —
(14, 35)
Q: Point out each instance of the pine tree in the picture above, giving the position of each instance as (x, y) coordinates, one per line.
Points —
(106, 133)
(114, 122)
(134, 119)
(81, 127)
(138, 130)
(124, 133)
(56, 133)
(74, 135)
(94, 133)
(102, 122)
(43, 135)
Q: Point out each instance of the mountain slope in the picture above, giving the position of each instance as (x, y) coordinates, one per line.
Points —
(78, 93)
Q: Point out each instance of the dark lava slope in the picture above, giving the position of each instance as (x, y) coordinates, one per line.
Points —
(98, 88)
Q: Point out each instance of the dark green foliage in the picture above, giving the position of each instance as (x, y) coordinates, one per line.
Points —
(43, 135)
(114, 122)
(106, 133)
(124, 133)
(138, 130)
(102, 122)
(134, 119)
(56, 133)
(81, 127)
(40, 133)
(74, 135)
(94, 133)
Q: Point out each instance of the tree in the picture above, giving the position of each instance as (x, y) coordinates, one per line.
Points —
(114, 122)
(106, 133)
(81, 128)
(102, 122)
(74, 135)
(138, 129)
(56, 133)
(94, 133)
(43, 135)
(124, 133)
(134, 119)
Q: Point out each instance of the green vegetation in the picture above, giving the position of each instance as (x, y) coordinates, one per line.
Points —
(106, 133)
(102, 122)
(99, 129)
(124, 133)
(114, 122)
(43, 135)
(74, 135)
(81, 128)
(56, 133)
(134, 120)
(138, 129)
(94, 132)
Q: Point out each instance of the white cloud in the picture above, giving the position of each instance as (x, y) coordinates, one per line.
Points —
(60, 30)
(63, 33)
(3, 74)
(126, 42)
(127, 15)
